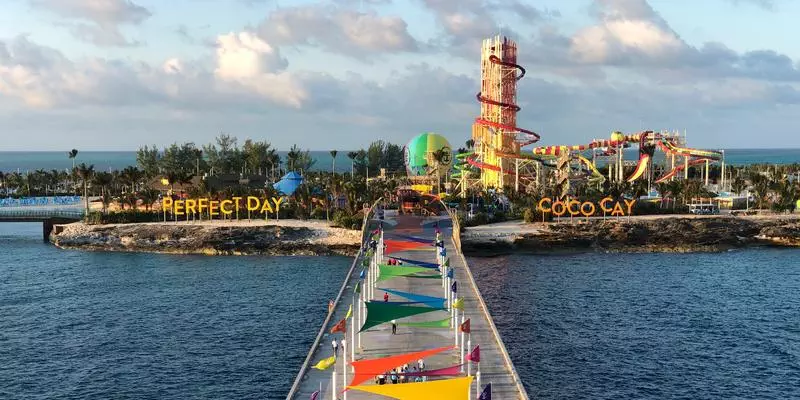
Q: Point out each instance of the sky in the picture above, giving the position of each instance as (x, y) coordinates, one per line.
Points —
(337, 74)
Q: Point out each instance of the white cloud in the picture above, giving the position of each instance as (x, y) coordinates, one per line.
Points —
(104, 18)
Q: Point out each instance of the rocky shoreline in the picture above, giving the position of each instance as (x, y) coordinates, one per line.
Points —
(212, 238)
(635, 235)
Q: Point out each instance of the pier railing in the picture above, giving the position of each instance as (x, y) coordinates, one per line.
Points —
(485, 310)
(307, 362)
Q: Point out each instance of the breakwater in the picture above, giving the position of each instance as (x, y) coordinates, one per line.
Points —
(289, 237)
(677, 234)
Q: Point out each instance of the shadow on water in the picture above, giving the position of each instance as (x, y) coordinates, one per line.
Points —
(636, 326)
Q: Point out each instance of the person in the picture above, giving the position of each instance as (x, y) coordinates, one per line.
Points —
(421, 365)
(331, 305)
(382, 379)
(335, 346)
(394, 377)
(399, 263)
(394, 327)
(386, 297)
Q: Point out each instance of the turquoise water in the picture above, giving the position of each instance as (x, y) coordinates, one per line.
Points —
(105, 160)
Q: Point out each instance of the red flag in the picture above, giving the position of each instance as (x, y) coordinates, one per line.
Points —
(340, 326)
(475, 354)
(465, 326)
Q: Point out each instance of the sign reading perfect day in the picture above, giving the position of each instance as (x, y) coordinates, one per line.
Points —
(224, 207)
(586, 208)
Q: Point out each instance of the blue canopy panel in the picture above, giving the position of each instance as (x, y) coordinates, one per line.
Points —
(411, 238)
(431, 301)
(289, 183)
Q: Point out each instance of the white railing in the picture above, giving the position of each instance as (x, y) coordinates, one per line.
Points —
(307, 363)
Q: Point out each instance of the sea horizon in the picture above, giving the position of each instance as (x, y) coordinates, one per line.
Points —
(105, 160)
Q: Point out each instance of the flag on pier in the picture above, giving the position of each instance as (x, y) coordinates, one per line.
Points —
(315, 395)
(445, 389)
(448, 371)
(454, 287)
(475, 354)
(465, 326)
(349, 312)
(340, 326)
(458, 304)
(325, 363)
(358, 286)
(368, 369)
(487, 393)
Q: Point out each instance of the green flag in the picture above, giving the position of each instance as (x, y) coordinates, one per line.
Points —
(380, 312)
(447, 262)
(358, 287)
(442, 323)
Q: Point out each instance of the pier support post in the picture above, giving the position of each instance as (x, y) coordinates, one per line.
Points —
(478, 382)
(461, 349)
(47, 228)
(455, 326)
(344, 367)
(333, 383)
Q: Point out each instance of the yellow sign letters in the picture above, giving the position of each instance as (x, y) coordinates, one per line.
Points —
(224, 207)
(575, 207)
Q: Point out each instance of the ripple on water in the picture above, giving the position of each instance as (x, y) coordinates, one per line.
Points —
(76, 325)
(649, 326)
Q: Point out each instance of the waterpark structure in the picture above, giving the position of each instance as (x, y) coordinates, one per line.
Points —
(498, 159)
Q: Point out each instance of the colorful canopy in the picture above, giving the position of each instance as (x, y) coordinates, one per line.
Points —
(368, 369)
(289, 183)
(442, 323)
(392, 271)
(432, 301)
(446, 389)
(325, 363)
(381, 312)
(412, 238)
(393, 246)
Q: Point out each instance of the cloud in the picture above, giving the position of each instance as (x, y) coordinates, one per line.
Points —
(338, 30)
(768, 5)
(101, 18)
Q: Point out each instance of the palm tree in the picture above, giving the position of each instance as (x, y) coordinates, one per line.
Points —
(148, 196)
(84, 173)
(352, 156)
(334, 153)
(439, 157)
(103, 179)
(72, 154)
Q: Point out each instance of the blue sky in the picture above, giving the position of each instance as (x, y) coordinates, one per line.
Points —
(117, 74)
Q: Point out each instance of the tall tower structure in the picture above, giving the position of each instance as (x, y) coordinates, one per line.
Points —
(494, 132)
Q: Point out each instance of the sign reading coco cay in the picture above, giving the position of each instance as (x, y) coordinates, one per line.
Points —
(586, 208)
(225, 207)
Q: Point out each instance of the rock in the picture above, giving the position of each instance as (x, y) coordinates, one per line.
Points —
(213, 238)
(670, 234)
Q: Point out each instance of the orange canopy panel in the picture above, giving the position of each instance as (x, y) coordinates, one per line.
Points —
(393, 246)
(368, 369)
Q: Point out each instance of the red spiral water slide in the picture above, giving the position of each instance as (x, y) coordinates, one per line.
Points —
(533, 137)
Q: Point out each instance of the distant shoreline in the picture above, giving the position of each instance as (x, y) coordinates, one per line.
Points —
(642, 234)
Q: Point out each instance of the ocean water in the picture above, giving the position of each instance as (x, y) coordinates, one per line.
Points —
(84, 325)
(77, 325)
(649, 326)
(106, 160)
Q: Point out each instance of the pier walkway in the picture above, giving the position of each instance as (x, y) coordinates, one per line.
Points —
(495, 365)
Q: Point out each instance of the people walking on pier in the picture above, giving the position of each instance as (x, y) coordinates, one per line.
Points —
(421, 365)
(335, 346)
(394, 327)
(386, 297)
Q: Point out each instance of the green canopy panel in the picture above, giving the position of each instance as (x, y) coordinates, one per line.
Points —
(391, 271)
(379, 312)
(442, 323)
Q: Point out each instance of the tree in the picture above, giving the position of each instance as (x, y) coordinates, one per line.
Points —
(352, 156)
(738, 185)
(148, 160)
(72, 154)
(148, 196)
(334, 153)
(257, 155)
(85, 173)
(181, 158)
(131, 176)
(224, 157)
(103, 180)
(299, 160)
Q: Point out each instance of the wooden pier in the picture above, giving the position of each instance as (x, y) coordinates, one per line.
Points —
(495, 364)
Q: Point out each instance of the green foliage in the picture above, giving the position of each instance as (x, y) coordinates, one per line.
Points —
(528, 215)
(148, 160)
(123, 217)
(343, 219)
(224, 157)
